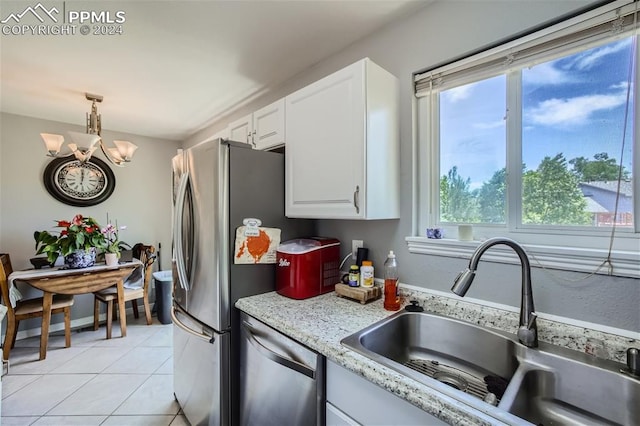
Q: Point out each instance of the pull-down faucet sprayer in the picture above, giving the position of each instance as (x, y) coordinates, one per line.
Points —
(527, 330)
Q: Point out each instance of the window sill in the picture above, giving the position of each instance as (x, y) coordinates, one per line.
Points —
(625, 263)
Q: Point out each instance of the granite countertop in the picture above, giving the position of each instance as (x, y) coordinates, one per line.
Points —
(322, 322)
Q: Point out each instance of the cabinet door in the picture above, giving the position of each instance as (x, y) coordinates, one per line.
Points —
(268, 126)
(335, 417)
(325, 128)
(241, 129)
(223, 134)
(371, 404)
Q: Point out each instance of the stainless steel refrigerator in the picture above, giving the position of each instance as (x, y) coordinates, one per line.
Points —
(217, 185)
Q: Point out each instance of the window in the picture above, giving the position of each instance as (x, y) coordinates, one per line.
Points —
(574, 112)
(534, 140)
(473, 152)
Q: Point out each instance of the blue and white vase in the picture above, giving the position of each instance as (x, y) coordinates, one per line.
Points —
(80, 259)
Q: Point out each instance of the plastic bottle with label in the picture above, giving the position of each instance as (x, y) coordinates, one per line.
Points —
(366, 274)
(391, 298)
(354, 276)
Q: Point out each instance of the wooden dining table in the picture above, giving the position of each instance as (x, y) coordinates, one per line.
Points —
(75, 281)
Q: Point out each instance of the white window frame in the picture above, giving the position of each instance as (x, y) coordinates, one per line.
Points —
(583, 249)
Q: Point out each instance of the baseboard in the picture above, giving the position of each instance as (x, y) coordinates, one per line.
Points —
(76, 324)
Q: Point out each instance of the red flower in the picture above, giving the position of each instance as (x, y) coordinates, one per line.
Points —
(81, 233)
(77, 220)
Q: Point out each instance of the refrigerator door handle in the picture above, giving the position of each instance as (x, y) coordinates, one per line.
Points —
(177, 230)
(285, 362)
(186, 329)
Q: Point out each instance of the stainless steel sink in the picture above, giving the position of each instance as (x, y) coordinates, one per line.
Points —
(558, 386)
(483, 368)
(452, 352)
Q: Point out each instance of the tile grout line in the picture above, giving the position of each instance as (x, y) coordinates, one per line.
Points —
(153, 341)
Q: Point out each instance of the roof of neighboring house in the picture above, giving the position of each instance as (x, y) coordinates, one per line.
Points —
(626, 187)
(594, 207)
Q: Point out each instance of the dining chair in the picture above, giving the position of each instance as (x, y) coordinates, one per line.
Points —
(29, 308)
(146, 255)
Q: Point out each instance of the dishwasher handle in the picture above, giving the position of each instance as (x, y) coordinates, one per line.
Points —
(250, 333)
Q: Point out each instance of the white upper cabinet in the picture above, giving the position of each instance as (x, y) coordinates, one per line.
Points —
(223, 134)
(342, 146)
(268, 126)
(241, 130)
(264, 129)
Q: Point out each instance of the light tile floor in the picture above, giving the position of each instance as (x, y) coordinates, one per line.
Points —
(122, 381)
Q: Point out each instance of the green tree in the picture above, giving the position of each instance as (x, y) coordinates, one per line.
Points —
(457, 202)
(600, 168)
(491, 198)
(551, 196)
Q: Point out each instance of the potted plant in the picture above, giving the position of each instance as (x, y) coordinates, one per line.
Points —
(113, 246)
(77, 241)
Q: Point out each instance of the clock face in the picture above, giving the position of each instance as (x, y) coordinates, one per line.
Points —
(79, 184)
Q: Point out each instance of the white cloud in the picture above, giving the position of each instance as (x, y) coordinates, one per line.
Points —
(623, 85)
(592, 57)
(573, 111)
(546, 73)
(489, 125)
(457, 93)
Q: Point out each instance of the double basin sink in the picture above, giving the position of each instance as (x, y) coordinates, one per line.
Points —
(492, 372)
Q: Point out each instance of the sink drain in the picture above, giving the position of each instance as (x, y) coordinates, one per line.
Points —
(452, 380)
(452, 376)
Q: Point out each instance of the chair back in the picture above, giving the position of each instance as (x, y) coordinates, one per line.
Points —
(5, 271)
(147, 255)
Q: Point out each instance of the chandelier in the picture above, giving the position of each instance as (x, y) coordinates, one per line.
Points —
(84, 144)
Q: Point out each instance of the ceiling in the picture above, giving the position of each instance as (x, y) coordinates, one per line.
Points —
(179, 65)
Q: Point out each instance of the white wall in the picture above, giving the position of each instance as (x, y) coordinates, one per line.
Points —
(141, 200)
(437, 34)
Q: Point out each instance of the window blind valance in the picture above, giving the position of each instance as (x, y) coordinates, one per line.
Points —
(615, 20)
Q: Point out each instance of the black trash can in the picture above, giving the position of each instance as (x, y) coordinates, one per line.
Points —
(164, 284)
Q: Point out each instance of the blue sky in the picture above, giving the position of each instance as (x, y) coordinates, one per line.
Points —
(572, 105)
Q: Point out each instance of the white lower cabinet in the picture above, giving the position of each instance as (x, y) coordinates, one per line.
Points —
(335, 417)
(353, 400)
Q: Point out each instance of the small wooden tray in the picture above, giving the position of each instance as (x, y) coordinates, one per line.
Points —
(361, 294)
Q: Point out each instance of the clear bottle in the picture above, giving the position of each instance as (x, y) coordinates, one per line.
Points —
(366, 274)
(391, 298)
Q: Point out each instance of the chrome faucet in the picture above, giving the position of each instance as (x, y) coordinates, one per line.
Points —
(527, 330)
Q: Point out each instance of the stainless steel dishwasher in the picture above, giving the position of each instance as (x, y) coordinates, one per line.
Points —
(281, 381)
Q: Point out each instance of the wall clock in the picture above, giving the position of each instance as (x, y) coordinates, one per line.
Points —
(79, 184)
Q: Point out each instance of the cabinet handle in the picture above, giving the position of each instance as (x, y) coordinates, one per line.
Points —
(356, 196)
